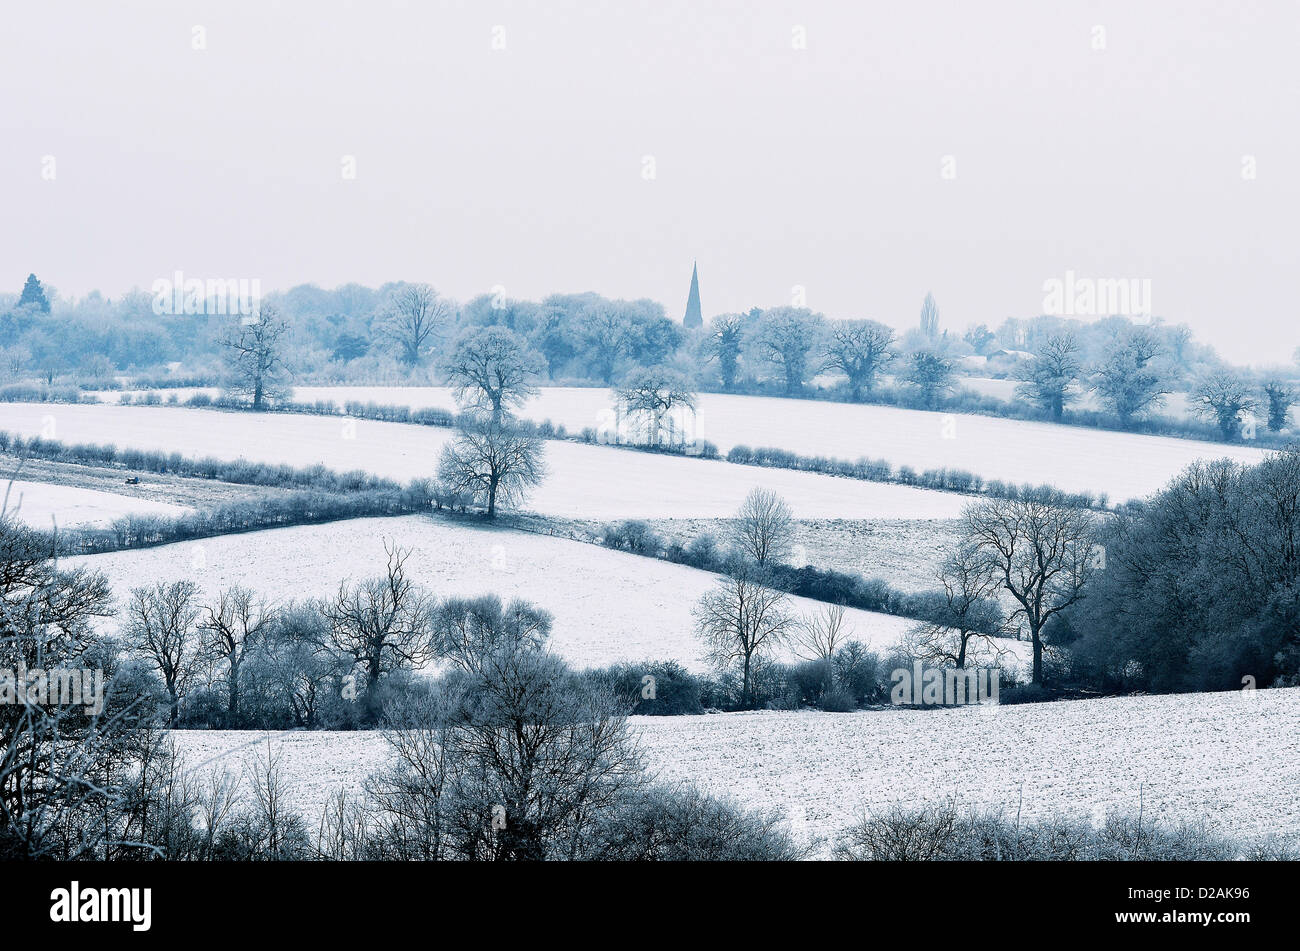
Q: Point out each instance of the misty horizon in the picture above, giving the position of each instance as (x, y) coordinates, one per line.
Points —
(862, 160)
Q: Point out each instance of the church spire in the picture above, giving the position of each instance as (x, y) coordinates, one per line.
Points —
(693, 316)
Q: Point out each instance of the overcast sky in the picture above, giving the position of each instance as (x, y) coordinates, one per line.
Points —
(774, 166)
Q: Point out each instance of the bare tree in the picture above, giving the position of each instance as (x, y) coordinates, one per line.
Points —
(510, 757)
(255, 350)
(160, 624)
(492, 369)
(538, 758)
(651, 397)
(280, 835)
(14, 361)
(764, 527)
(467, 630)
(859, 349)
(970, 610)
(63, 768)
(383, 624)
(228, 632)
(819, 635)
(1224, 396)
(300, 662)
(1127, 381)
(414, 316)
(740, 620)
(1041, 552)
(784, 337)
(606, 334)
(1049, 379)
(493, 462)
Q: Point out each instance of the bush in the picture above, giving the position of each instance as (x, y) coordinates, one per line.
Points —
(837, 700)
(682, 824)
(635, 536)
(676, 690)
(942, 832)
(702, 552)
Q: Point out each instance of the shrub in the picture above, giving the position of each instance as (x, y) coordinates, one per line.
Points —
(676, 690)
(942, 832)
(635, 536)
(702, 551)
(682, 824)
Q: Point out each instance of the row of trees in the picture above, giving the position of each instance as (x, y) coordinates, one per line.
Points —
(1193, 589)
(238, 661)
(1019, 566)
(1199, 587)
(1132, 374)
(408, 331)
(1129, 379)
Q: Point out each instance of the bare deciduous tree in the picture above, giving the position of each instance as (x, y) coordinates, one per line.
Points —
(970, 611)
(726, 337)
(1049, 379)
(764, 527)
(931, 374)
(493, 462)
(300, 662)
(383, 624)
(62, 767)
(607, 335)
(160, 624)
(740, 620)
(492, 369)
(859, 349)
(414, 316)
(256, 356)
(784, 336)
(511, 758)
(1041, 552)
(1224, 396)
(228, 632)
(819, 635)
(1127, 381)
(466, 630)
(650, 398)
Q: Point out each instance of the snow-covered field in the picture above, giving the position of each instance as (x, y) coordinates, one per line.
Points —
(583, 481)
(1231, 758)
(608, 606)
(1074, 458)
(44, 504)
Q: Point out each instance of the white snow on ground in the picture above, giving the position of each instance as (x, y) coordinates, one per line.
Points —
(1074, 458)
(1231, 758)
(44, 504)
(583, 481)
(608, 606)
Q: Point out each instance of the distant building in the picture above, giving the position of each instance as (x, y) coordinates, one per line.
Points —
(693, 316)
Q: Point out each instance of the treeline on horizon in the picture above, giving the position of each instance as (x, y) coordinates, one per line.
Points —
(401, 333)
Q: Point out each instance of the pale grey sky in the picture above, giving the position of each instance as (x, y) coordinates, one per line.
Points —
(775, 166)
